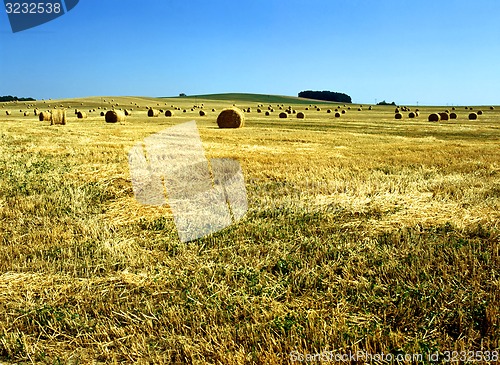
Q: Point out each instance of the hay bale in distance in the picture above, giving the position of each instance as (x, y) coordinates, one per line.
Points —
(343, 111)
(283, 115)
(26, 114)
(102, 114)
(58, 116)
(492, 108)
(231, 118)
(202, 113)
(44, 116)
(81, 115)
(434, 117)
(7, 112)
(300, 115)
(411, 115)
(444, 116)
(337, 115)
(453, 115)
(479, 112)
(472, 116)
(267, 113)
(169, 113)
(114, 116)
(398, 116)
(153, 112)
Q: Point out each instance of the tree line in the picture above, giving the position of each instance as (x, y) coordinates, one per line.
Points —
(326, 96)
(10, 98)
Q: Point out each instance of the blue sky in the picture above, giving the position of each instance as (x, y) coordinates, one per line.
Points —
(434, 52)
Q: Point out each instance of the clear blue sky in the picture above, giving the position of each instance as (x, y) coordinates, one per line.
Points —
(431, 51)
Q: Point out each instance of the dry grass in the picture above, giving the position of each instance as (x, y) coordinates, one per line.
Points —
(362, 234)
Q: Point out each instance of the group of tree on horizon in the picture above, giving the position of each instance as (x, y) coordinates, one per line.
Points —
(9, 98)
(326, 96)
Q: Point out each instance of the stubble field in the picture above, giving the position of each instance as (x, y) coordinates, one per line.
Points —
(364, 233)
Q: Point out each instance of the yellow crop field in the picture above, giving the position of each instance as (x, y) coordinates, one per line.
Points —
(364, 234)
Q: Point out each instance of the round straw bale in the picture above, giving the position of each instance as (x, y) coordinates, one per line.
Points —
(294, 111)
(329, 111)
(411, 115)
(153, 112)
(453, 108)
(114, 116)
(417, 113)
(444, 116)
(370, 107)
(259, 110)
(283, 115)
(184, 111)
(44, 116)
(81, 115)
(479, 112)
(434, 117)
(249, 110)
(318, 109)
(128, 112)
(301, 115)
(307, 108)
(492, 108)
(267, 113)
(396, 110)
(398, 116)
(102, 114)
(337, 115)
(453, 115)
(343, 111)
(26, 114)
(231, 118)
(472, 116)
(360, 109)
(348, 108)
(35, 112)
(7, 112)
(202, 113)
(58, 116)
(169, 113)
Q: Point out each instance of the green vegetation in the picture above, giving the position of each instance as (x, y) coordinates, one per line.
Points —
(364, 233)
(10, 98)
(326, 95)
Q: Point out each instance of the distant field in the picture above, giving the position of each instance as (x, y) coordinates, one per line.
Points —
(252, 98)
(364, 233)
